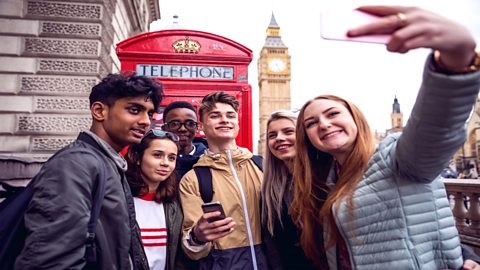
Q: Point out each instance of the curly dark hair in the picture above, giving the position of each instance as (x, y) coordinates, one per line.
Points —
(176, 105)
(166, 191)
(126, 84)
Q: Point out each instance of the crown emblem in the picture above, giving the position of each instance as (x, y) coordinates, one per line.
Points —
(186, 46)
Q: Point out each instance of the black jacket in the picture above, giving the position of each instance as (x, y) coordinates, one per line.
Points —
(185, 162)
(283, 248)
(57, 216)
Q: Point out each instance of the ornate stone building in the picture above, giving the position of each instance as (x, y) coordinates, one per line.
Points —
(52, 53)
(273, 78)
(396, 117)
(467, 157)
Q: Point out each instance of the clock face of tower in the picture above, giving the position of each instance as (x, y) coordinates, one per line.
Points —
(276, 65)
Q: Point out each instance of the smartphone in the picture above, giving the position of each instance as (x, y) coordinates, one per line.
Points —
(336, 22)
(213, 207)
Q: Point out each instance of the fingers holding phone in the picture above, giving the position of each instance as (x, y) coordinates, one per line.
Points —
(413, 27)
(213, 224)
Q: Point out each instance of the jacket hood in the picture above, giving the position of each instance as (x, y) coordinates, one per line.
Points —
(220, 161)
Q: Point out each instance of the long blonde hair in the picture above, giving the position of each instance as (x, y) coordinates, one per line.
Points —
(275, 177)
(312, 204)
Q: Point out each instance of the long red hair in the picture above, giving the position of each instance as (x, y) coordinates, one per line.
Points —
(312, 204)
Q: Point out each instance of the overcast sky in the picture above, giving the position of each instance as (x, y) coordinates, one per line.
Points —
(366, 74)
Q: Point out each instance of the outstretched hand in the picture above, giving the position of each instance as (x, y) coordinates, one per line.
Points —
(412, 27)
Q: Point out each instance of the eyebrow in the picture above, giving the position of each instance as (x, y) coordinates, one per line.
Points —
(219, 112)
(325, 111)
(136, 104)
(155, 151)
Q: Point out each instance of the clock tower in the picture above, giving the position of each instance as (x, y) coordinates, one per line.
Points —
(273, 78)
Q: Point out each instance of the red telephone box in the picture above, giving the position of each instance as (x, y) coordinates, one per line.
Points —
(191, 64)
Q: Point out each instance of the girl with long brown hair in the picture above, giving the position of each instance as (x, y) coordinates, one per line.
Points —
(366, 207)
(279, 233)
(151, 164)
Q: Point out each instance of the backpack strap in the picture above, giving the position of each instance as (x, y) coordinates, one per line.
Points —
(258, 160)
(204, 178)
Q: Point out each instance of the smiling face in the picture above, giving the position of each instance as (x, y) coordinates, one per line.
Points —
(220, 125)
(125, 122)
(158, 162)
(186, 135)
(330, 128)
(281, 139)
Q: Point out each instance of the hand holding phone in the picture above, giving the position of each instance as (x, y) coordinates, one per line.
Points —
(336, 23)
(213, 207)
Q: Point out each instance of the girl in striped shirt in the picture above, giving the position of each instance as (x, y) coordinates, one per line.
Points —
(150, 175)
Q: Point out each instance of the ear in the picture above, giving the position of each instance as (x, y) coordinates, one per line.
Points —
(99, 111)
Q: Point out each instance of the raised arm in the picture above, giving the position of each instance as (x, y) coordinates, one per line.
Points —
(435, 129)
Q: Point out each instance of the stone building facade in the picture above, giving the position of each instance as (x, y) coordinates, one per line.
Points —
(51, 54)
(467, 159)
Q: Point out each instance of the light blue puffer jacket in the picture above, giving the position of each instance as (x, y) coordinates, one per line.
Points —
(401, 216)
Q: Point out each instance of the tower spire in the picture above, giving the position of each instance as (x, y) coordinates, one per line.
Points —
(273, 22)
(396, 105)
(273, 39)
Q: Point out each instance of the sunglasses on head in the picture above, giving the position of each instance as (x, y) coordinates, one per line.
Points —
(163, 134)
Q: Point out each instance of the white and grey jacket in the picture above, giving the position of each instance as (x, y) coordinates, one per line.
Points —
(402, 217)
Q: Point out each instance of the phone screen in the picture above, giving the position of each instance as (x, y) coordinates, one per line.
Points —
(335, 24)
(213, 207)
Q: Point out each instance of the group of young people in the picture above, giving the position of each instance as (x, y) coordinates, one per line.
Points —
(326, 198)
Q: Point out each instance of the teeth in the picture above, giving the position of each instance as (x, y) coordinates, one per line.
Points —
(330, 135)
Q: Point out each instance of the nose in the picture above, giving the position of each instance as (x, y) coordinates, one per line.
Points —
(280, 137)
(324, 124)
(182, 126)
(164, 161)
(224, 118)
(145, 119)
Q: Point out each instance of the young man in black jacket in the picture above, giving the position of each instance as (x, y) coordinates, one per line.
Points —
(180, 117)
(58, 214)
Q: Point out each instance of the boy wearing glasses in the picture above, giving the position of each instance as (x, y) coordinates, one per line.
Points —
(234, 241)
(56, 220)
(180, 117)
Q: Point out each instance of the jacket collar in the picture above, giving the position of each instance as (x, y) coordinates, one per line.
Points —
(95, 141)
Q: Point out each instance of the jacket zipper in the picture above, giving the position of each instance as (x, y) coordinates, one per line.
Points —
(245, 209)
(342, 234)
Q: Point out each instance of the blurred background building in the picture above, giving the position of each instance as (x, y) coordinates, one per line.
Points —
(52, 53)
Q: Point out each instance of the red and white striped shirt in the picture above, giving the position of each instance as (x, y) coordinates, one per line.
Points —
(153, 227)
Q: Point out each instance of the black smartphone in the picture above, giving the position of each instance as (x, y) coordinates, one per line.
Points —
(213, 207)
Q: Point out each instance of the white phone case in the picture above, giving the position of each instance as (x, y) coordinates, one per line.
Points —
(336, 23)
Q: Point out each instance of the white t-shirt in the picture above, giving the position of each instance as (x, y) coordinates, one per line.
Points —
(151, 219)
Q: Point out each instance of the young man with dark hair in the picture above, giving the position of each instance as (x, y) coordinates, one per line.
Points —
(60, 209)
(233, 242)
(180, 117)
